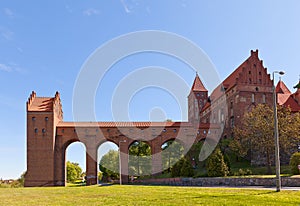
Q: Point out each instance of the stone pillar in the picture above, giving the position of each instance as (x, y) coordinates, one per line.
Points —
(124, 157)
(91, 165)
(156, 157)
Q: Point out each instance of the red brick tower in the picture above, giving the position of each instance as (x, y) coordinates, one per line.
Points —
(43, 114)
(196, 100)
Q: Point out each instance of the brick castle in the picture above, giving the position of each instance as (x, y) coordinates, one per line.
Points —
(209, 117)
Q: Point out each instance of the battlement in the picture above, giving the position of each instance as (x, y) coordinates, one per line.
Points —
(45, 104)
(30, 99)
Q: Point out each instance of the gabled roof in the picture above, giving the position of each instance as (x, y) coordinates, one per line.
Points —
(282, 88)
(41, 104)
(198, 85)
(288, 101)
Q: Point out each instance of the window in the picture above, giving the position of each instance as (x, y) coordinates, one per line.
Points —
(164, 130)
(260, 81)
(43, 130)
(33, 118)
(250, 80)
(252, 98)
(174, 130)
(259, 73)
(46, 119)
(264, 98)
(232, 122)
(249, 72)
(36, 130)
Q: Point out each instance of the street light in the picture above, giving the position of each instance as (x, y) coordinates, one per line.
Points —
(120, 164)
(277, 159)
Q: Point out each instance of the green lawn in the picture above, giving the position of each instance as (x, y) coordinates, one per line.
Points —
(144, 195)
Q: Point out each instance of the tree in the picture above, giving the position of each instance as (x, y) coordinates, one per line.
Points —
(74, 171)
(172, 152)
(294, 162)
(216, 166)
(109, 165)
(187, 169)
(182, 168)
(140, 161)
(255, 135)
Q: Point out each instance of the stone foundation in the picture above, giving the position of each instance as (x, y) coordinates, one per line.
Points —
(218, 181)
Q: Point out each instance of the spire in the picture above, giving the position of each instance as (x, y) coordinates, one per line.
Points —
(282, 88)
(198, 85)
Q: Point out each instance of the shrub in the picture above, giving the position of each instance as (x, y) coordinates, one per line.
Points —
(187, 169)
(243, 172)
(176, 169)
(216, 166)
(183, 168)
(294, 162)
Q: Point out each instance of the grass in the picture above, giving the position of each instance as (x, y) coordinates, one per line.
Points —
(144, 195)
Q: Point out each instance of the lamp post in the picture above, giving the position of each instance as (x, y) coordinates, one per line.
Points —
(120, 164)
(277, 159)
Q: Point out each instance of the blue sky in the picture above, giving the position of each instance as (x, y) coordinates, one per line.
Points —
(43, 45)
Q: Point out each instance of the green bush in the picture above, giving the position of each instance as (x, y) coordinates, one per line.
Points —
(294, 162)
(243, 172)
(176, 169)
(183, 168)
(216, 166)
(187, 169)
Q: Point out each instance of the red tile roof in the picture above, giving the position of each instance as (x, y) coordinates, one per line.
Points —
(282, 88)
(282, 98)
(229, 82)
(41, 104)
(123, 124)
(198, 85)
(134, 124)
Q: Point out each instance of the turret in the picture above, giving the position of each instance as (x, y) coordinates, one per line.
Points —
(196, 100)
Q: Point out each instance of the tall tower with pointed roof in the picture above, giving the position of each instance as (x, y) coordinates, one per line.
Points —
(196, 100)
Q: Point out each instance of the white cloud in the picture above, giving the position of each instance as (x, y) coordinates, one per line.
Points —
(90, 12)
(6, 33)
(127, 10)
(5, 68)
(12, 67)
(9, 13)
